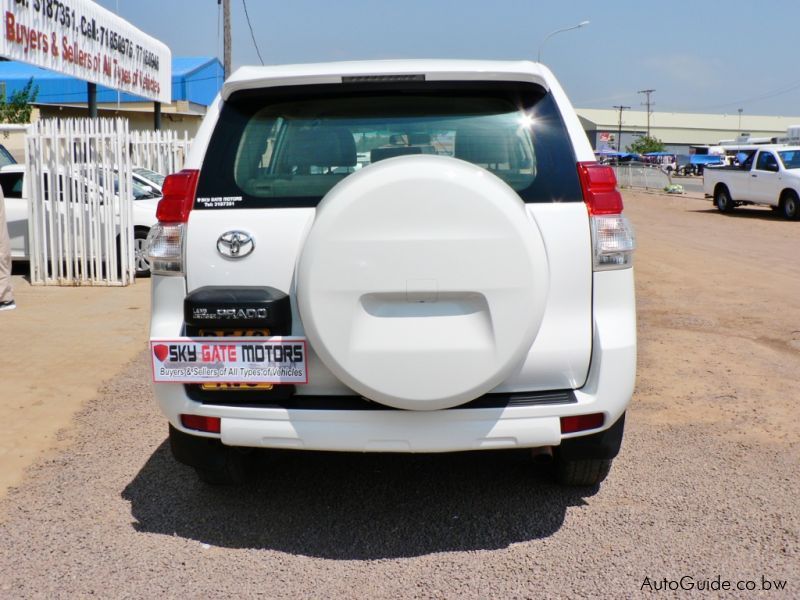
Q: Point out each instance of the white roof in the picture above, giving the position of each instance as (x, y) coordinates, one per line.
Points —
(433, 69)
(778, 147)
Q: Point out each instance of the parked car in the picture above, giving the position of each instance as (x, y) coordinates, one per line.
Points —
(13, 179)
(477, 295)
(5, 157)
(769, 176)
(699, 162)
(666, 161)
(148, 177)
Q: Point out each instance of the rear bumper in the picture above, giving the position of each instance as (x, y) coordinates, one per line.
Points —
(608, 390)
(396, 431)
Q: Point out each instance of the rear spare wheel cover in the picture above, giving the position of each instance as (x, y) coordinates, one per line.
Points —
(422, 282)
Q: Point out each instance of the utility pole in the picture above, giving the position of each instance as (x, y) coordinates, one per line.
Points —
(647, 103)
(741, 110)
(226, 35)
(619, 129)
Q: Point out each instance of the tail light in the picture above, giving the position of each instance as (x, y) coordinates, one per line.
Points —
(178, 196)
(200, 423)
(613, 240)
(165, 240)
(582, 422)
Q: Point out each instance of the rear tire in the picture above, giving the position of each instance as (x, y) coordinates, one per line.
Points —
(790, 206)
(584, 472)
(140, 262)
(723, 200)
(586, 460)
(233, 468)
(214, 462)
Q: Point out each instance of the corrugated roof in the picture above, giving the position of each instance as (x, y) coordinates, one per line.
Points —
(186, 65)
(56, 88)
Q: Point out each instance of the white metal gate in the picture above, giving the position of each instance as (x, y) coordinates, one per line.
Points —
(80, 223)
(160, 151)
(639, 175)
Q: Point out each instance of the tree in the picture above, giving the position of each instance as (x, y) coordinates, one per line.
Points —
(17, 109)
(646, 144)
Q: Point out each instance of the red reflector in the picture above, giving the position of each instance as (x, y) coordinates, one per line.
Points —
(582, 422)
(207, 424)
(178, 190)
(600, 192)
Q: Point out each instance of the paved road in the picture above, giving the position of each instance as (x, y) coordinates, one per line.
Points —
(706, 485)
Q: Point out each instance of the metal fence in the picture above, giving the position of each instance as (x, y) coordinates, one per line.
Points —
(160, 151)
(80, 222)
(641, 176)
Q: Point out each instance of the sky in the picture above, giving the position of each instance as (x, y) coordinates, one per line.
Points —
(713, 57)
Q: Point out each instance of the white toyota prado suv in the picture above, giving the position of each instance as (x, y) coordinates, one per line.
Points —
(393, 256)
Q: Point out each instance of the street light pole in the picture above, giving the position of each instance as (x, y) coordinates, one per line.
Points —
(649, 104)
(552, 33)
(741, 110)
(226, 36)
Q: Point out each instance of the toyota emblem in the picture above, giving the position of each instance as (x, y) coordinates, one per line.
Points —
(235, 244)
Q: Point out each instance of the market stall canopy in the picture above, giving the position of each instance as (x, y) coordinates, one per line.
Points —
(619, 155)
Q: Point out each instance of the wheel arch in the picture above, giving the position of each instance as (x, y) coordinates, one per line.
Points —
(786, 192)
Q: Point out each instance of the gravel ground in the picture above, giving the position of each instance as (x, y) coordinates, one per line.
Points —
(706, 485)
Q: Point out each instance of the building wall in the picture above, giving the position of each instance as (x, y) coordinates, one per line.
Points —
(201, 86)
(13, 138)
(628, 137)
(137, 120)
(679, 131)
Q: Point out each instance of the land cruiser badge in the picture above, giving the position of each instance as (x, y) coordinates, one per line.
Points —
(235, 244)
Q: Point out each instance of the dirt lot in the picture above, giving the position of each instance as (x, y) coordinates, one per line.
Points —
(60, 344)
(706, 486)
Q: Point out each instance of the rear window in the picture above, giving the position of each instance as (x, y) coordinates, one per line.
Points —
(5, 157)
(287, 147)
(11, 184)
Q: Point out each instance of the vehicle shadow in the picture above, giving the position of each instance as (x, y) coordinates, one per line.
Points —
(746, 213)
(348, 506)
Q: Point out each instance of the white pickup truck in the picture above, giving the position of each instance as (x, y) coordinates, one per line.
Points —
(769, 176)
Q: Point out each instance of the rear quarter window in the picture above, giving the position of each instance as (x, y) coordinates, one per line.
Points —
(287, 147)
(11, 184)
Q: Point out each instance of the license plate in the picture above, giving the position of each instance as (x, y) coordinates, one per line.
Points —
(217, 387)
(234, 333)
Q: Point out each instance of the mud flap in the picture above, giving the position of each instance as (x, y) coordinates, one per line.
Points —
(602, 445)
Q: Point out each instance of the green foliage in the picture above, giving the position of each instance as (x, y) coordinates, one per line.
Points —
(646, 144)
(674, 189)
(17, 109)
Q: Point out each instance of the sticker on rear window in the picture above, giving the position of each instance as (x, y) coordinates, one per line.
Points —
(219, 201)
(230, 360)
